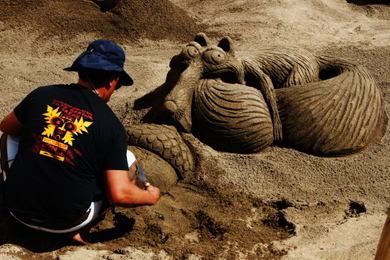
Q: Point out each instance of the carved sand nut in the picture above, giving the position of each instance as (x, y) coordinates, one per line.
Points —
(340, 115)
(165, 141)
(158, 170)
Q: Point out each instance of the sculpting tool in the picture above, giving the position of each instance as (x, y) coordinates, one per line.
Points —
(142, 176)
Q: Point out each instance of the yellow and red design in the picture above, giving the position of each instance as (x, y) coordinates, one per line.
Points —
(64, 123)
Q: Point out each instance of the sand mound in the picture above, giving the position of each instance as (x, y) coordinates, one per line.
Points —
(280, 203)
(128, 21)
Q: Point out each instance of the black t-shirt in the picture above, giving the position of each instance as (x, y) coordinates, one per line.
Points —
(70, 136)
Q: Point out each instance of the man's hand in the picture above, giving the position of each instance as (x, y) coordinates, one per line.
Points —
(124, 193)
(154, 191)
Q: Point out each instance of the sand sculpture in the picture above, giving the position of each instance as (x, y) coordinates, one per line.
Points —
(277, 96)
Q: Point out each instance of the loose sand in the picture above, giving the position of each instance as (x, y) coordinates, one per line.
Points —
(278, 204)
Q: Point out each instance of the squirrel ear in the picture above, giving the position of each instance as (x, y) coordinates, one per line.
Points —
(202, 39)
(226, 44)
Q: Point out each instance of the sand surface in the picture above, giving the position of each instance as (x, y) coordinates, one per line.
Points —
(278, 204)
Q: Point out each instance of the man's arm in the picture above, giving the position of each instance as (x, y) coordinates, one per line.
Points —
(124, 193)
(11, 124)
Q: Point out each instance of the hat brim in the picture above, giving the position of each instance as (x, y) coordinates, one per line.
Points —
(126, 80)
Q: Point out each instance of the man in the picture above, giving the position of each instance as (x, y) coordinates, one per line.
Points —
(72, 156)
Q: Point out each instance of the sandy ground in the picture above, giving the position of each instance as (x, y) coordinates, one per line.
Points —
(278, 204)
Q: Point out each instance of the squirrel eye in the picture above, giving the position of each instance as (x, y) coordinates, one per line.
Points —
(190, 52)
(214, 57)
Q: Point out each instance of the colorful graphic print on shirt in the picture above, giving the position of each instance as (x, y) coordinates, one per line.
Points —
(64, 124)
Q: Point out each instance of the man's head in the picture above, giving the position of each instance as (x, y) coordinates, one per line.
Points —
(99, 79)
(102, 57)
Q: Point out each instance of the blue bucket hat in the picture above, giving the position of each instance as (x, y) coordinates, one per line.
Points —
(102, 55)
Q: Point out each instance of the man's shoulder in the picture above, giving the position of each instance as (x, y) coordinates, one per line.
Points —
(48, 88)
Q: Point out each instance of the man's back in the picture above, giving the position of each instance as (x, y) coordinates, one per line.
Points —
(63, 149)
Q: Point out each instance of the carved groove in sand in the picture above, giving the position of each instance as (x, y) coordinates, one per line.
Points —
(275, 96)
